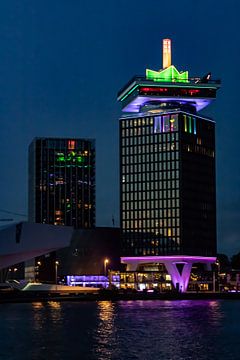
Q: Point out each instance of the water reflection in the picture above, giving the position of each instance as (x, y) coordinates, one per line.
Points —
(37, 305)
(106, 333)
(170, 329)
(38, 319)
(55, 312)
(54, 304)
(45, 314)
(129, 330)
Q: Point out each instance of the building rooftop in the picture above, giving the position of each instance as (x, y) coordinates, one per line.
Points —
(168, 85)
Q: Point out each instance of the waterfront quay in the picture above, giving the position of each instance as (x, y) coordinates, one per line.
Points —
(112, 295)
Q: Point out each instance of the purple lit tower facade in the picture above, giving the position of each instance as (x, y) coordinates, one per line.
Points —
(167, 171)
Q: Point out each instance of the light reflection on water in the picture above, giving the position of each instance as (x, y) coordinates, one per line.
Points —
(171, 329)
(52, 314)
(108, 330)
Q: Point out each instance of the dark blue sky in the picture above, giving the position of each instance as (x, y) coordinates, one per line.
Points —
(62, 63)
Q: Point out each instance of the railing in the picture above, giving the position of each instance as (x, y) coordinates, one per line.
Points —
(192, 80)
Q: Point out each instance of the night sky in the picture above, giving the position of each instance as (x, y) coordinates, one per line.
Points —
(62, 63)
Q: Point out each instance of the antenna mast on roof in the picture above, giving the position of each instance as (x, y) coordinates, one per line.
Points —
(166, 53)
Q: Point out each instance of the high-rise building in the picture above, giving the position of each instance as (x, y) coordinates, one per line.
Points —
(167, 171)
(62, 182)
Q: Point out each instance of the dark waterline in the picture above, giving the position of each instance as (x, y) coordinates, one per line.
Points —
(121, 330)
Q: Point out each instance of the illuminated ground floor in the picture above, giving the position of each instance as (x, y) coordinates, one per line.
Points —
(173, 271)
(171, 274)
(140, 281)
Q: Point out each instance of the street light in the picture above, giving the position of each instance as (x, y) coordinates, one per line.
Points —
(56, 272)
(214, 275)
(218, 272)
(106, 261)
(37, 267)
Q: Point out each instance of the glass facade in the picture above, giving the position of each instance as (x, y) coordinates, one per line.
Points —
(198, 186)
(62, 182)
(166, 161)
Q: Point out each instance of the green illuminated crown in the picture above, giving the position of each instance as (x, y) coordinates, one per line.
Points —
(170, 74)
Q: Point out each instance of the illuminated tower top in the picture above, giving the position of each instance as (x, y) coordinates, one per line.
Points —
(167, 88)
(166, 53)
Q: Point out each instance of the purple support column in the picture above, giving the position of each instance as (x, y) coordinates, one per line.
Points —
(181, 278)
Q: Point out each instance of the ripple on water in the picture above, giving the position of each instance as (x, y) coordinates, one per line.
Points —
(168, 330)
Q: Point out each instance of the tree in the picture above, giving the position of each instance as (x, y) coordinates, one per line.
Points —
(235, 261)
(225, 264)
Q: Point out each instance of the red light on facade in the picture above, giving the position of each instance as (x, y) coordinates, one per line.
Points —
(71, 144)
(190, 91)
(193, 91)
(153, 89)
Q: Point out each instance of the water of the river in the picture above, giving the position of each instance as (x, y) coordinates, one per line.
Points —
(121, 330)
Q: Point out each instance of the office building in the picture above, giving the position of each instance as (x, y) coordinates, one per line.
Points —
(167, 171)
(62, 182)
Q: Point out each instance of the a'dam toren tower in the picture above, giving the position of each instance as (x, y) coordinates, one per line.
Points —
(167, 171)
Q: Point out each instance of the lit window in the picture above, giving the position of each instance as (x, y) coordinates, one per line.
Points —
(190, 124)
(71, 144)
(185, 122)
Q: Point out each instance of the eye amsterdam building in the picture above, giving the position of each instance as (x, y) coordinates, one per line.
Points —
(167, 171)
(62, 182)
